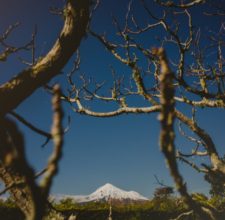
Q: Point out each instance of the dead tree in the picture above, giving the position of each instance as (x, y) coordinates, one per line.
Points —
(163, 82)
(16, 173)
(187, 77)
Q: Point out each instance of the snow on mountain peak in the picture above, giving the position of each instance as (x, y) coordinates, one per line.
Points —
(109, 191)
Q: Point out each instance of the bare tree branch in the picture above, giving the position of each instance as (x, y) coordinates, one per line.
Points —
(182, 5)
(25, 83)
(31, 126)
(57, 136)
(167, 135)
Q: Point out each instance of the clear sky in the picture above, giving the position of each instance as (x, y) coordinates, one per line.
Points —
(122, 150)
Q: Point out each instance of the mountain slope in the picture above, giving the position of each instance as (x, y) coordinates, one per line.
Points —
(109, 191)
(104, 193)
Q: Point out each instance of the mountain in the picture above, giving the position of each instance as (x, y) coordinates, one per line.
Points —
(104, 193)
(108, 191)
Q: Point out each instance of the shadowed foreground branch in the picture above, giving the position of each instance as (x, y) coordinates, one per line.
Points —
(167, 135)
(17, 174)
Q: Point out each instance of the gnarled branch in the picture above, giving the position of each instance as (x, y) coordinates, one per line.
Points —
(25, 83)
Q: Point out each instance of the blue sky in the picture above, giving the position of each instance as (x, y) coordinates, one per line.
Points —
(122, 150)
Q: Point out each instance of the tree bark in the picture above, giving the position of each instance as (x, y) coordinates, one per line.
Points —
(16, 173)
(26, 82)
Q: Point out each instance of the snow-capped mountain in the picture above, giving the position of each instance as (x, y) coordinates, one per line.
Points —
(108, 191)
(104, 193)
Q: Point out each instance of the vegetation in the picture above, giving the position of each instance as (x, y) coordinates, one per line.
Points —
(9, 211)
(158, 208)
